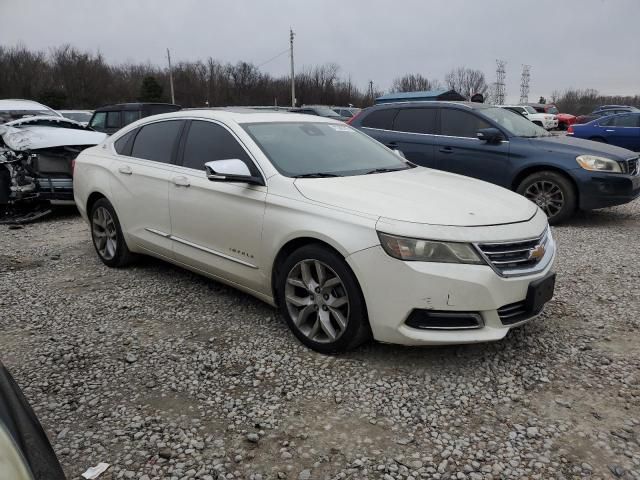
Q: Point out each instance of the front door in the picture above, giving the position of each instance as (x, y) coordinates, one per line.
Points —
(216, 226)
(458, 149)
(623, 131)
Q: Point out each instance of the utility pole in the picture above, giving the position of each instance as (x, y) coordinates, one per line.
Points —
(173, 98)
(500, 81)
(293, 75)
(371, 90)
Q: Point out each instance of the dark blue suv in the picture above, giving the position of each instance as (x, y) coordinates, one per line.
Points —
(560, 174)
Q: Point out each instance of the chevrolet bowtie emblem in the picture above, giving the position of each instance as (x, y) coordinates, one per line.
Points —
(537, 252)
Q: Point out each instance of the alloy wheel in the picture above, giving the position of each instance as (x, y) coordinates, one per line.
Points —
(317, 301)
(105, 234)
(547, 195)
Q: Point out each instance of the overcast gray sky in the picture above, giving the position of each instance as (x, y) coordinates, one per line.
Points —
(570, 43)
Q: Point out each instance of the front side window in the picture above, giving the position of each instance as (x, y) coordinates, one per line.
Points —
(99, 120)
(416, 120)
(113, 119)
(382, 119)
(207, 141)
(323, 149)
(628, 121)
(515, 124)
(156, 141)
(458, 123)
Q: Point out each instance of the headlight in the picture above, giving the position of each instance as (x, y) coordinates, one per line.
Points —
(598, 164)
(415, 249)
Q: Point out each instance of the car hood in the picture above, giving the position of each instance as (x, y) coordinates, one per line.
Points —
(421, 195)
(36, 137)
(578, 146)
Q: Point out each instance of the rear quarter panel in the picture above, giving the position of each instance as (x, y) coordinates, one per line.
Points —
(91, 174)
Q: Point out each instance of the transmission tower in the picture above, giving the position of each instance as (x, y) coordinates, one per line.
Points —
(524, 83)
(500, 81)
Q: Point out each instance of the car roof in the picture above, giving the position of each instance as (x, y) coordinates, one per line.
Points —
(240, 116)
(433, 103)
(19, 104)
(133, 106)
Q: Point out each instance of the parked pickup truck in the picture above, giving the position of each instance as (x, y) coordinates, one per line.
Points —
(545, 120)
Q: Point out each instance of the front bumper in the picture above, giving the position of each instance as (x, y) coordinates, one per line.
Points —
(393, 289)
(600, 190)
(551, 124)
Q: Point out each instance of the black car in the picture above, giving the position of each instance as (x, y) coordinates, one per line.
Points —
(111, 118)
(560, 174)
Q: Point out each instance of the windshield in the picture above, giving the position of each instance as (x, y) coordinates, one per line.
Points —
(552, 110)
(513, 123)
(78, 116)
(307, 148)
(530, 110)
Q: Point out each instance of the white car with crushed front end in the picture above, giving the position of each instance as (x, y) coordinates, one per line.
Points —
(346, 237)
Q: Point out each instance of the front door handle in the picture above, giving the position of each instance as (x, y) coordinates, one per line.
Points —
(609, 130)
(446, 150)
(125, 170)
(181, 181)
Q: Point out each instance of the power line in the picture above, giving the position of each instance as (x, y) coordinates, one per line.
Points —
(273, 58)
(524, 83)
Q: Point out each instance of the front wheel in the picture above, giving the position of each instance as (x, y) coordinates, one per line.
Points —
(321, 300)
(552, 192)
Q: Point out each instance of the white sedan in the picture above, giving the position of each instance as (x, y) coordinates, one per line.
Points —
(350, 240)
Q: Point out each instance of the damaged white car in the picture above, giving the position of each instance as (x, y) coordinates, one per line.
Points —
(36, 164)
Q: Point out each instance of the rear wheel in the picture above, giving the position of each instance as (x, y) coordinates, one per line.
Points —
(552, 192)
(107, 236)
(321, 300)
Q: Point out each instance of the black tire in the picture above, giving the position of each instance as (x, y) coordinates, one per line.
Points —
(562, 126)
(557, 180)
(357, 329)
(121, 256)
(598, 139)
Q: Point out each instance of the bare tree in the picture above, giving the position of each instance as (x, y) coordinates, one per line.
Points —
(466, 81)
(413, 82)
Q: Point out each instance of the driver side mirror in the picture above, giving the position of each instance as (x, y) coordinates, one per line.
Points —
(232, 170)
(490, 135)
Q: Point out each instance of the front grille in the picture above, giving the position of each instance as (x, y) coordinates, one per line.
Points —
(514, 313)
(518, 257)
(631, 166)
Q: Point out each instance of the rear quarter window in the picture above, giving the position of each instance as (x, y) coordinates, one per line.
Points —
(156, 141)
(382, 119)
(124, 144)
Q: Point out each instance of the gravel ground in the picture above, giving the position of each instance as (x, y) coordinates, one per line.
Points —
(164, 374)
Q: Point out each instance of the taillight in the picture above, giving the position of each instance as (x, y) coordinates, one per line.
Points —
(570, 129)
(350, 121)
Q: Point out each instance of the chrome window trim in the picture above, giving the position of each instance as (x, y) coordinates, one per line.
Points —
(426, 134)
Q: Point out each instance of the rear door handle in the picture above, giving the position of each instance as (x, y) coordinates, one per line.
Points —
(181, 181)
(125, 170)
(446, 150)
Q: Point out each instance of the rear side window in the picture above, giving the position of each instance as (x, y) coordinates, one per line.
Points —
(416, 120)
(458, 123)
(113, 119)
(123, 144)
(156, 141)
(382, 119)
(130, 116)
(207, 141)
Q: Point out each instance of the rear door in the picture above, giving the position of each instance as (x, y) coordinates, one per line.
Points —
(140, 183)
(216, 226)
(414, 135)
(458, 149)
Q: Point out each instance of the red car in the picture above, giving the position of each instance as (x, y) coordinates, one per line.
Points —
(564, 119)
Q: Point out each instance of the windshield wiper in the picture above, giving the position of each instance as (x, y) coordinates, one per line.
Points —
(385, 170)
(317, 175)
